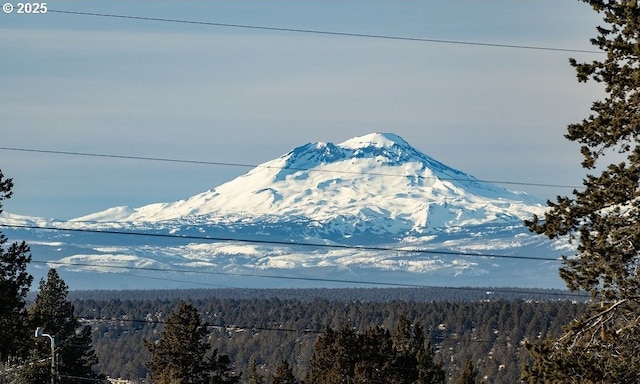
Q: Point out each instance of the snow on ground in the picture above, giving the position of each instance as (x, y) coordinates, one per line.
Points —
(372, 191)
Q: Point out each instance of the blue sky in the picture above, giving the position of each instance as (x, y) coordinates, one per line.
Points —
(130, 87)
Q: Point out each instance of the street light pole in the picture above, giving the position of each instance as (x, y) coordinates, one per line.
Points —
(53, 353)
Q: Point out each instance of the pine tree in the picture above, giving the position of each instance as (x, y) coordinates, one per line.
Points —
(283, 374)
(335, 356)
(253, 376)
(14, 286)
(469, 374)
(78, 358)
(183, 355)
(430, 371)
(375, 357)
(376, 362)
(414, 358)
(404, 366)
(53, 313)
(603, 219)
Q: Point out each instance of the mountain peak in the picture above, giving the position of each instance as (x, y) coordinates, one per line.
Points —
(377, 140)
(377, 181)
(384, 148)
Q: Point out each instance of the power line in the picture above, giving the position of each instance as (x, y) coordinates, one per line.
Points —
(84, 319)
(321, 32)
(279, 292)
(76, 378)
(239, 327)
(489, 291)
(282, 242)
(203, 272)
(254, 241)
(262, 328)
(209, 325)
(127, 157)
(299, 278)
(211, 286)
(246, 165)
(159, 278)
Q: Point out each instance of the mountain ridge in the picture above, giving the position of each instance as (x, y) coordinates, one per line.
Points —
(372, 198)
(373, 176)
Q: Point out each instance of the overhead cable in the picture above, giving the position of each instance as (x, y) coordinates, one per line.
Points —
(285, 243)
(321, 32)
(246, 165)
(291, 291)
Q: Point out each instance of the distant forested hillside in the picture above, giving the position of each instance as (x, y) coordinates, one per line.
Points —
(487, 327)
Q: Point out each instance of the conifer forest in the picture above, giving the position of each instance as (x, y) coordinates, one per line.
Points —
(319, 331)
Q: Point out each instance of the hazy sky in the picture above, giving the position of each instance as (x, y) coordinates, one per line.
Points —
(134, 87)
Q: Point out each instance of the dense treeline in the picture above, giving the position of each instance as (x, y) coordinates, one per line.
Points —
(488, 334)
(337, 294)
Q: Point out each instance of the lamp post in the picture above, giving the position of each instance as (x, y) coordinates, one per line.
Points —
(53, 353)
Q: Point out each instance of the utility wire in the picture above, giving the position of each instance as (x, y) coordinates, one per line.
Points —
(320, 32)
(280, 277)
(280, 292)
(246, 165)
(161, 278)
(286, 243)
(76, 378)
(232, 327)
(489, 291)
(292, 292)
(203, 272)
(209, 325)
(254, 241)
(242, 327)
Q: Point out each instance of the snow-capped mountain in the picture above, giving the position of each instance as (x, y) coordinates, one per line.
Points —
(378, 178)
(355, 206)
